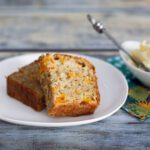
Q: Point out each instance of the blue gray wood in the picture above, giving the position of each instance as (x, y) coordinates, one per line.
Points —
(53, 24)
(63, 24)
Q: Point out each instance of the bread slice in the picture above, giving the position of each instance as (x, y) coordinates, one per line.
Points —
(69, 84)
(24, 86)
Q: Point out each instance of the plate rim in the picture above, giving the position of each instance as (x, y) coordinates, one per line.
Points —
(65, 124)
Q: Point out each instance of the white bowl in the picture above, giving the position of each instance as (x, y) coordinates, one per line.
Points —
(143, 76)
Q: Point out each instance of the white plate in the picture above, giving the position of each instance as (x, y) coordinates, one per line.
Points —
(112, 84)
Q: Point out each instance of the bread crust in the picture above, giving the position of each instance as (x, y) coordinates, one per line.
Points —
(73, 108)
(24, 94)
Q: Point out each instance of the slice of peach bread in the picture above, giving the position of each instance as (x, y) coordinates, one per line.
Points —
(24, 86)
(69, 84)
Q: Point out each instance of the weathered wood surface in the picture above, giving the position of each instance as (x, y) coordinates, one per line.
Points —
(119, 131)
(62, 24)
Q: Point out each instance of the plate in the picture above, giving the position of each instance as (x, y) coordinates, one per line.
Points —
(112, 85)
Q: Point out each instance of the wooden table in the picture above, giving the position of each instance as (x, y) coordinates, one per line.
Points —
(49, 24)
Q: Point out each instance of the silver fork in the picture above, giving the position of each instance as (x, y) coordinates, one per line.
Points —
(98, 26)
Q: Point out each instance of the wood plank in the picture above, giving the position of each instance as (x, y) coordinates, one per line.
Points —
(117, 132)
(49, 24)
(70, 30)
(98, 54)
(77, 3)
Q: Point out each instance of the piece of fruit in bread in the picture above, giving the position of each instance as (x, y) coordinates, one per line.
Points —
(69, 84)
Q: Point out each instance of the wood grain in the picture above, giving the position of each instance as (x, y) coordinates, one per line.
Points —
(63, 24)
(119, 131)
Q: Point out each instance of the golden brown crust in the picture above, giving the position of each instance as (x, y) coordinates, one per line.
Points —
(74, 108)
(18, 88)
(80, 60)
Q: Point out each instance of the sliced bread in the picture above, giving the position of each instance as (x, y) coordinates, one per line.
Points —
(69, 84)
(24, 86)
